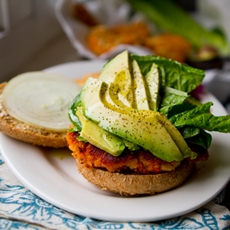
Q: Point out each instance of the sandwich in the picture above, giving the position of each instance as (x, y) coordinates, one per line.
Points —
(34, 107)
(139, 129)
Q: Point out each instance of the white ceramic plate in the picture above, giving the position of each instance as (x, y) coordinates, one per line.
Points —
(52, 175)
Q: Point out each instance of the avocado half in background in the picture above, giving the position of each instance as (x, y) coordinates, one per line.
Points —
(138, 129)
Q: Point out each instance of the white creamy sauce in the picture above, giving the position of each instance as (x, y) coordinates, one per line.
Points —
(40, 99)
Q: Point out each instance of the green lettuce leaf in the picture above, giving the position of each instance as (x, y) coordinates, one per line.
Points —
(72, 114)
(173, 73)
(174, 102)
(196, 136)
(202, 118)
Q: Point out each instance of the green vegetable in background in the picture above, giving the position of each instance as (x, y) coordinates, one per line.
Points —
(171, 18)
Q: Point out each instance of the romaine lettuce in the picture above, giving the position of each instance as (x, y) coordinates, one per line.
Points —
(173, 73)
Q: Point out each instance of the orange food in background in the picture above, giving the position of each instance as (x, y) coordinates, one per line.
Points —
(102, 38)
(82, 80)
(169, 46)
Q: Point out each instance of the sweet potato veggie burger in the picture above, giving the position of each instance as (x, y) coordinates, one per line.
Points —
(137, 129)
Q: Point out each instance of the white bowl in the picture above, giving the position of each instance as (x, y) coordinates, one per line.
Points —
(107, 12)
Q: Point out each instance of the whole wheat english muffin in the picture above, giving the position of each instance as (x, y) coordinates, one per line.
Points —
(34, 108)
(136, 184)
(28, 133)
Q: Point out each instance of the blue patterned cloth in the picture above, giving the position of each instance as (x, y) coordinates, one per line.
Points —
(21, 209)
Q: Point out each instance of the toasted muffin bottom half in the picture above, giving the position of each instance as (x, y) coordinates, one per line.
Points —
(134, 184)
(132, 173)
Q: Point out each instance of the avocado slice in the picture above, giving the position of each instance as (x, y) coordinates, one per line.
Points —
(100, 137)
(117, 71)
(139, 88)
(173, 131)
(152, 79)
(113, 98)
(126, 123)
(112, 138)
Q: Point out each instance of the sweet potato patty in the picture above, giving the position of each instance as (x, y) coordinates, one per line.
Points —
(140, 161)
